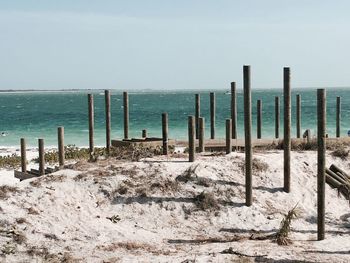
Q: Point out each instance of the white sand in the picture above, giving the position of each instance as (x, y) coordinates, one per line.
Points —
(66, 217)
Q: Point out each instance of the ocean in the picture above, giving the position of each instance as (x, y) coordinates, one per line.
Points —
(35, 115)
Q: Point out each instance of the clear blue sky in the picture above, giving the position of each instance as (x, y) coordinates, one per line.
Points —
(183, 44)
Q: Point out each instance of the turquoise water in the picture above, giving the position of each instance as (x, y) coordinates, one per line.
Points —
(37, 114)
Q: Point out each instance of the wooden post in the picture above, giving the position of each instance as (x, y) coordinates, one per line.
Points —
(277, 117)
(165, 133)
(321, 162)
(60, 135)
(201, 134)
(197, 113)
(298, 115)
(234, 110)
(247, 135)
(144, 133)
(191, 138)
(338, 117)
(23, 155)
(91, 124)
(108, 120)
(308, 136)
(287, 121)
(126, 114)
(212, 115)
(41, 157)
(259, 118)
(228, 136)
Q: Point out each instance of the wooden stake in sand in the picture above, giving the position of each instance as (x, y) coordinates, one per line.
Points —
(298, 115)
(165, 133)
(201, 134)
(91, 124)
(60, 135)
(321, 162)
(287, 121)
(212, 115)
(259, 118)
(197, 112)
(108, 120)
(23, 155)
(41, 157)
(247, 135)
(234, 110)
(228, 136)
(126, 114)
(338, 117)
(277, 117)
(144, 133)
(191, 138)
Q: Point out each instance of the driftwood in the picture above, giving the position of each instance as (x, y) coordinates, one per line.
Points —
(337, 178)
(337, 170)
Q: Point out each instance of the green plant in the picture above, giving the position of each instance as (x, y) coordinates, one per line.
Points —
(10, 161)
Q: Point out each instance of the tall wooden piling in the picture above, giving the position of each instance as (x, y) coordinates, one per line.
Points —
(201, 135)
(287, 122)
(248, 135)
(197, 112)
(212, 115)
(298, 115)
(191, 138)
(108, 120)
(259, 118)
(23, 155)
(126, 114)
(165, 133)
(91, 124)
(144, 133)
(60, 137)
(338, 117)
(321, 162)
(234, 110)
(228, 136)
(277, 117)
(41, 157)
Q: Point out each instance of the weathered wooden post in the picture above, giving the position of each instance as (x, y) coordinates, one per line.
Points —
(308, 136)
(201, 135)
(298, 115)
(126, 114)
(321, 162)
(247, 135)
(191, 138)
(165, 133)
(234, 110)
(287, 121)
(91, 124)
(228, 136)
(108, 120)
(144, 133)
(197, 112)
(212, 115)
(41, 157)
(277, 117)
(60, 135)
(338, 117)
(23, 155)
(259, 118)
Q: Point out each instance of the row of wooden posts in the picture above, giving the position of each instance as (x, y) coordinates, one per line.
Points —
(196, 126)
(231, 130)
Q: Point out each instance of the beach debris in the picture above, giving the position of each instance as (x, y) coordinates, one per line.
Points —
(339, 179)
(233, 252)
(114, 219)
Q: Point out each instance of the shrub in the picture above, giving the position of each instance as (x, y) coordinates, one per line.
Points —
(10, 161)
(205, 201)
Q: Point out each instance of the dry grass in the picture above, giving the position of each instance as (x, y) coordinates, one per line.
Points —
(206, 201)
(45, 179)
(132, 247)
(44, 254)
(341, 153)
(187, 174)
(6, 190)
(10, 161)
(258, 166)
(282, 236)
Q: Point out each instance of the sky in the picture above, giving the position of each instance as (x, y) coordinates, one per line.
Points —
(166, 45)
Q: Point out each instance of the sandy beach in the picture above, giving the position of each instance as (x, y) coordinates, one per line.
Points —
(165, 209)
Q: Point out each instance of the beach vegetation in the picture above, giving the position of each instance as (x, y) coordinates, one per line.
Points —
(206, 201)
(341, 153)
(10, 161)
(5, 191)
(282, 236)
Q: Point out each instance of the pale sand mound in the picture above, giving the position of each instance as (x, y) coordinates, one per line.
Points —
(150, 211)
